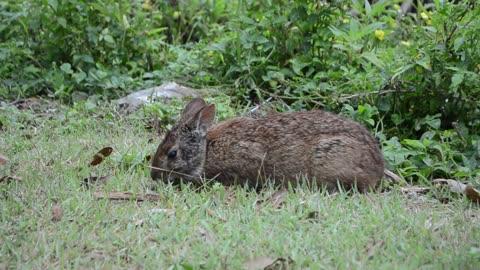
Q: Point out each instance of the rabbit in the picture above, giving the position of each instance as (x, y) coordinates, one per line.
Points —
(325, 148)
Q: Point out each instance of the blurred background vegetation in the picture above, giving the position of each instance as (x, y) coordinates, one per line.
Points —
(411, 76)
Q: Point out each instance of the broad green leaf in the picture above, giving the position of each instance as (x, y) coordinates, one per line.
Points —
(457, 79)
(259, 39)
(79, 76)
(61, 21)
(67, 68)
(458, 43)
(53, 4)
(216, 47)
(368, 29)
(401, 70)
(336, 31)
(109, 39)
(370, 121)
(368, 8)
(415, 144)
(396, 119)
(425, 62)
(372, 58)
(297, 66)
(434, 123)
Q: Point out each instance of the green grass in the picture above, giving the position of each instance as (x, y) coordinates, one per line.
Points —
(313, 229)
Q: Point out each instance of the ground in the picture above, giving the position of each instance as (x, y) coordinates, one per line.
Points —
(52, 219)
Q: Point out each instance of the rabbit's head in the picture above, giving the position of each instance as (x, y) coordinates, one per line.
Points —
(181, 154)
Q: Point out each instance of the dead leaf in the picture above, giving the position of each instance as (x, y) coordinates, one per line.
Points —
(9, 179)
(126, 196)
(57, 214)
(472, 194)
(230, 195)
(101, 155)
(266, 263)
(373, 246)
(95, 180)
(277, 199)
(209, 237)
(455, 186)
(4, 161)
(313, 215)
(458, 187)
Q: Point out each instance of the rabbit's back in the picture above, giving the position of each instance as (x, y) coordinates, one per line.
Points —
(285, 146)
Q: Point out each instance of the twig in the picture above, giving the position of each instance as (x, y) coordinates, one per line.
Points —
(258, 106)
(126, 196)
(345, 97)
(457, 130)
(395, 178)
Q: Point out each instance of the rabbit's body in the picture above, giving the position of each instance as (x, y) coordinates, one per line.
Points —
(322, 147)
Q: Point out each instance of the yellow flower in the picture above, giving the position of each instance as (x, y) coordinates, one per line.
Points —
(429, 22)
(380, 34)
(405, 43)
(147, 5)
(176, 14)
(346, 20)
(424, 15)
(397, 7)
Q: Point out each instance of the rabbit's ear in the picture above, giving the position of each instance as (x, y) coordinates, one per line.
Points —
(202, 120)
(193, 107)
(206, 117)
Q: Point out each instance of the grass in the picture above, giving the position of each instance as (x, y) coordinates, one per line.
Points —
(212, 228)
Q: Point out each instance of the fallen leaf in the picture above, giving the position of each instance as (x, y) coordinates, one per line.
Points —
(4, 161)
(313, 215)
(209, 237)
(57, 214)
(458, 187)
(277, 199)
(472, 194)
(455, 186)
(95, 180)
(373, 246)
(9, 179)
(230, 195)
(266, 263)
(126, 196)
(259, 263)
(101, 155)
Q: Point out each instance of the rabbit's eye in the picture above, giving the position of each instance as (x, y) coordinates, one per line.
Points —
(172, 154)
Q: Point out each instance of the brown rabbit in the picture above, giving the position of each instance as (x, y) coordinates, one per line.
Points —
(325, 148)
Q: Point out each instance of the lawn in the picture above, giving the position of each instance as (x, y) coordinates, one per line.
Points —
(51, 219)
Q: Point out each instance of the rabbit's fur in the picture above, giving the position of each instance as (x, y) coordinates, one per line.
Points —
(325, 148)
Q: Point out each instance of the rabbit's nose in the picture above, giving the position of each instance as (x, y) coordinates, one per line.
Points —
(155, 174)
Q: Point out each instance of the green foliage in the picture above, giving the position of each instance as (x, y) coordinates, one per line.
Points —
(402, 75)
(56, 47)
